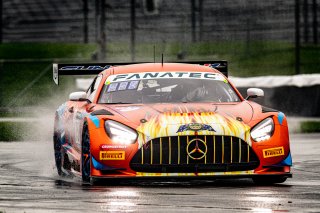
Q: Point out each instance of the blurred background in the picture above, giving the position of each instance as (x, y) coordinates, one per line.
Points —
(257, 38)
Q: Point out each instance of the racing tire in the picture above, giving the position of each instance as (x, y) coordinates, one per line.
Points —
(57, 153)
(62, 161)
(57, 147)
(86, 155)
(263, 181)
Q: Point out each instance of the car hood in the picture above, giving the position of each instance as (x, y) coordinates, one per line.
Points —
(161, 120)
(134, 113)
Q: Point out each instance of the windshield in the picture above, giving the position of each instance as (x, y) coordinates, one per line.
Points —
(172, 87)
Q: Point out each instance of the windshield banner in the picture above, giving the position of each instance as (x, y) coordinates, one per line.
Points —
(164, 75)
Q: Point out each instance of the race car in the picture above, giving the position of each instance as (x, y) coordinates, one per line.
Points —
(167, 120)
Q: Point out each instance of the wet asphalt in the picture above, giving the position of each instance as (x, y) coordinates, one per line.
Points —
(29, 183)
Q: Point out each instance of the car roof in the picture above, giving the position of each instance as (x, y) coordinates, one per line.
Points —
(159, 67)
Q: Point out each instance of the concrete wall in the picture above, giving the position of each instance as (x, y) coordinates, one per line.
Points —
(292, 100)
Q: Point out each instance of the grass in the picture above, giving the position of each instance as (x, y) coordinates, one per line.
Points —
(14, 114)
(26, 130)
(17, 89)
(16, 77)
(310, 126)
(28, 83)
(45, 50)
(12, 131)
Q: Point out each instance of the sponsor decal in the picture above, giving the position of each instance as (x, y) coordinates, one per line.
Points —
(125, 85)
(195, 127)
(106, 146)
(91, 67)
(163, 75)
(273, 152)
(112, 155)
(215, 65)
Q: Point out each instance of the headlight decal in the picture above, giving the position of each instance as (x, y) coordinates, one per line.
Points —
(168, 124)
(95, 120)
(287, 161)
(100, 166)
(280, 117)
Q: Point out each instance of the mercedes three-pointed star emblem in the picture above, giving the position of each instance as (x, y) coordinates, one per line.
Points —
(197, 149)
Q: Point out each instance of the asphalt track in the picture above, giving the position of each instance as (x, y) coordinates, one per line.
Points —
(28, 183)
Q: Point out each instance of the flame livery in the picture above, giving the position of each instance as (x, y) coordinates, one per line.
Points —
(166, 125)
(168, 120)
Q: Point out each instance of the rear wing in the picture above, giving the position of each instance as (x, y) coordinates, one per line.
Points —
(96, 68)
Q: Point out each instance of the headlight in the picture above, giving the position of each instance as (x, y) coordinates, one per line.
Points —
(263, 131)
(120, 133)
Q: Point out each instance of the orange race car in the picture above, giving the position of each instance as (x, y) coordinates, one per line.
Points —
(167, 120)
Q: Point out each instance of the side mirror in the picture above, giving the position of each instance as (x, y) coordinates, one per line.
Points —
(254, 93)
(78, 96)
